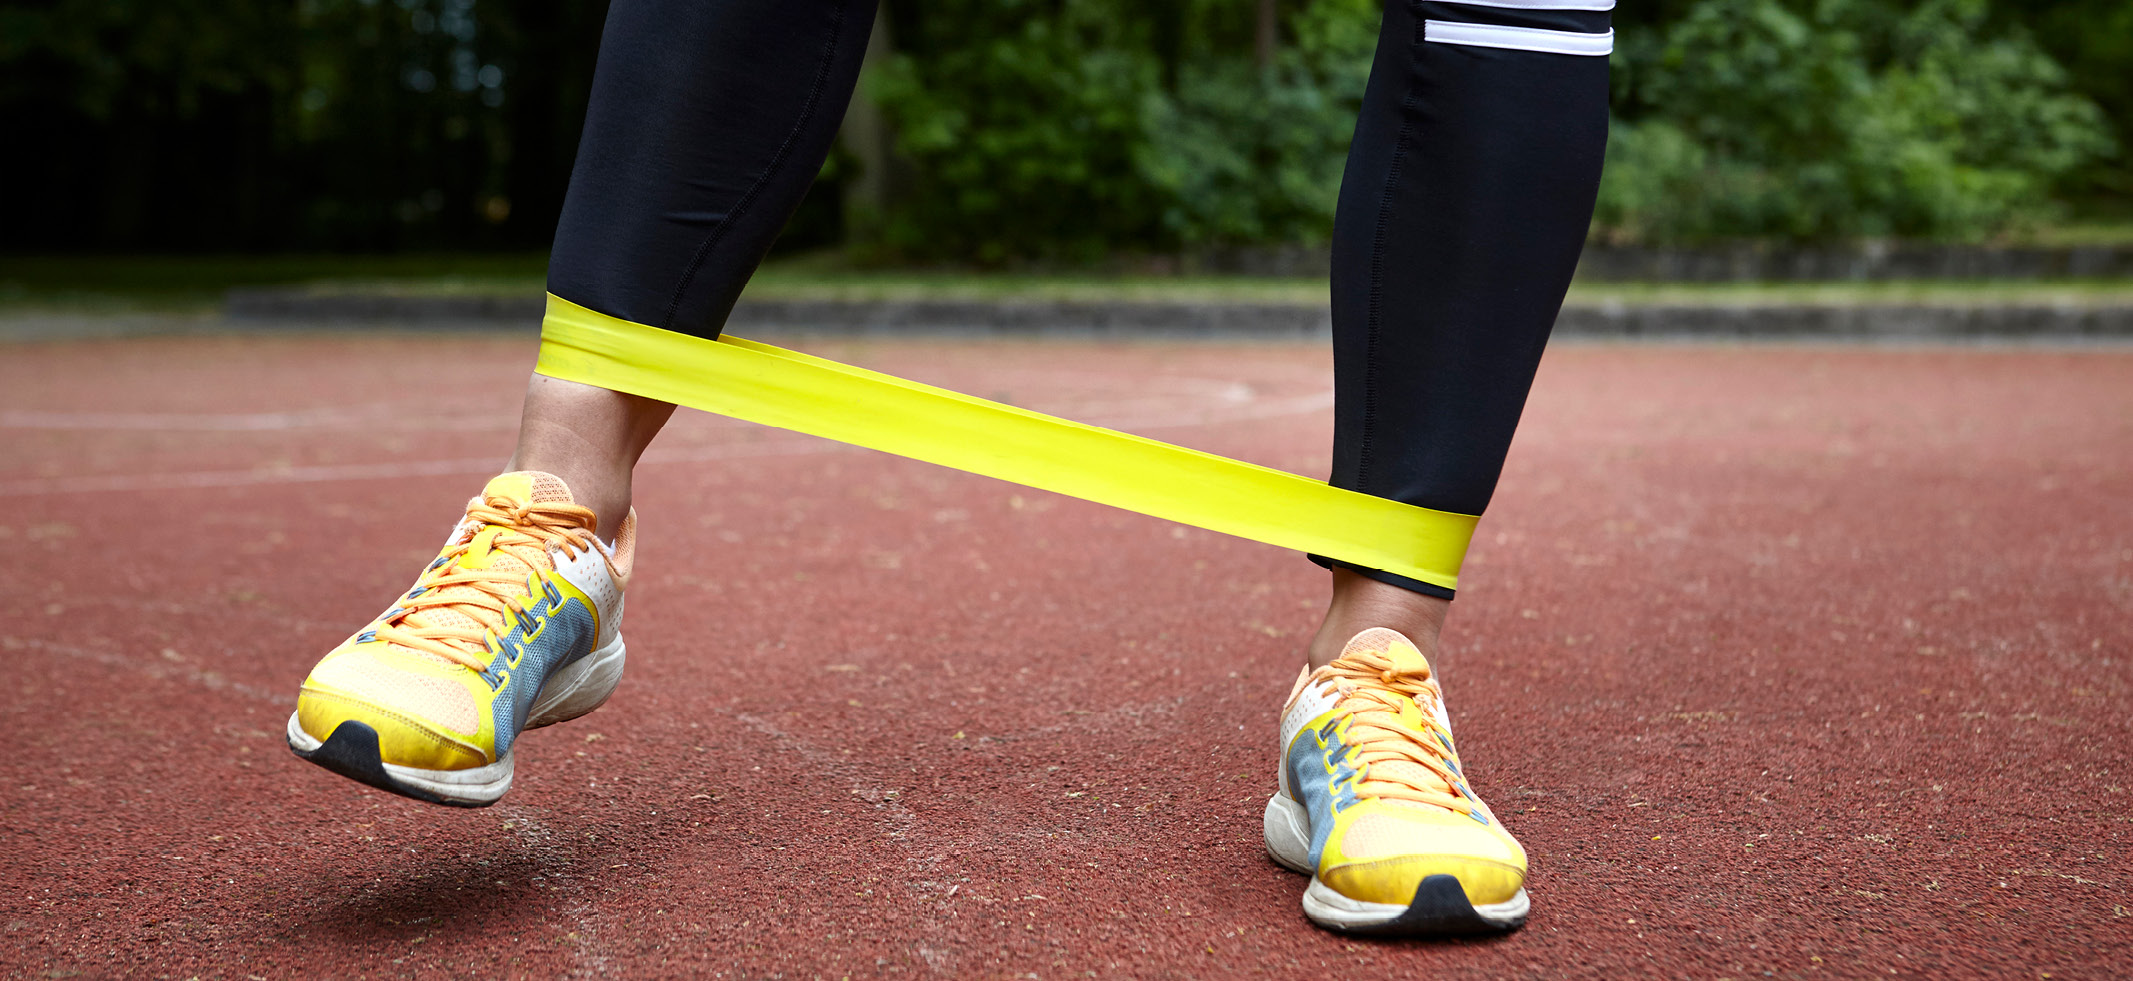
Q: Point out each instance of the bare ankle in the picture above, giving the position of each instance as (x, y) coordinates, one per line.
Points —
(603, 490)
(1360, 603)
(591, 438)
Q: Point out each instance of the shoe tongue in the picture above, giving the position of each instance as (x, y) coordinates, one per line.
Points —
(1392, 645)
(521, 487)
(1405, 658)
(528, 487)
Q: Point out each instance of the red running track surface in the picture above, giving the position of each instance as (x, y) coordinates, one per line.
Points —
(1782, 661)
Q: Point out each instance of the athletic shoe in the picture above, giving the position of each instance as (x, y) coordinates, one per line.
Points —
(515, 626)
(1375, 809)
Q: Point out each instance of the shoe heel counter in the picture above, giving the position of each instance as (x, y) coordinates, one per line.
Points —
(587, 572)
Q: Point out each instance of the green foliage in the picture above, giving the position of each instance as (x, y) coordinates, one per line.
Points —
(1078, 127)
(374, 124)
(1749, 119)
(1245, 154)
(165, 57)
(2093, 39)
(1047, 128)
(1022, 122)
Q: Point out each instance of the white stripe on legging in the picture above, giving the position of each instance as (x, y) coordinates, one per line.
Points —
(1540, 4)
(1519, 38)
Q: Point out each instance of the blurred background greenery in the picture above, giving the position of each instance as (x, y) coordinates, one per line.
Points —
(1059, 131)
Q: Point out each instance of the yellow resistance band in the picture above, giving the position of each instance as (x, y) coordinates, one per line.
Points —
(763, 384)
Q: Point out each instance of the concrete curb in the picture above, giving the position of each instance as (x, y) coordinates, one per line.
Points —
(1866, 263)
(1743, 263)
(1857, 321)
(1753, 263)
(1016, 317)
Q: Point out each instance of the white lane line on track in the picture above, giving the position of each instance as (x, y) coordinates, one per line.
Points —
(370, 417)
(394, 415)
(240, 478)
(1244, 411)
(1247, 411)
(366, 471)
(147, 666)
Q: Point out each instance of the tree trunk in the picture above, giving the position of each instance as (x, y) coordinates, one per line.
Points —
(1268, 35)
(865, 135)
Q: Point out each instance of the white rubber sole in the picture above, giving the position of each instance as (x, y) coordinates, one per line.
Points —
(585, 684)
(476, 787)
(579, 688)
(1335, 911)
(1288, 842)
(1288, 834)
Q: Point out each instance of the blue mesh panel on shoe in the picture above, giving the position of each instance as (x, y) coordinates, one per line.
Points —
(1322, 793)
(567, 636)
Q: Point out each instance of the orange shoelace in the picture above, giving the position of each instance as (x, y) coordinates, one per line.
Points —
(486, 597)
(1381, 741)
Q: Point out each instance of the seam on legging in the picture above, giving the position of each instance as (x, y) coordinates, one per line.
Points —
(1374, 321)
(777, 163)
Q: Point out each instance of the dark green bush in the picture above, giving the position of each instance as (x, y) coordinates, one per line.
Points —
(1074, 128)
(1041, 128)
(1747, 119)
(1245, 154)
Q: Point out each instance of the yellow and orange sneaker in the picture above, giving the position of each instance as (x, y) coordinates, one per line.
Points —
(516, 625)
(1374, 807)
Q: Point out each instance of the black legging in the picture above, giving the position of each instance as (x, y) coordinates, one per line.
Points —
(1468, 190)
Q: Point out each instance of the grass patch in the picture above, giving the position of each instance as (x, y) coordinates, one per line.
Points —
(2103, 231)
(157, 283)
(190, 284)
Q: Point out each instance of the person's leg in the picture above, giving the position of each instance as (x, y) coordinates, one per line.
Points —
(1466, 200)
(1469, 187)
(708, 121)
